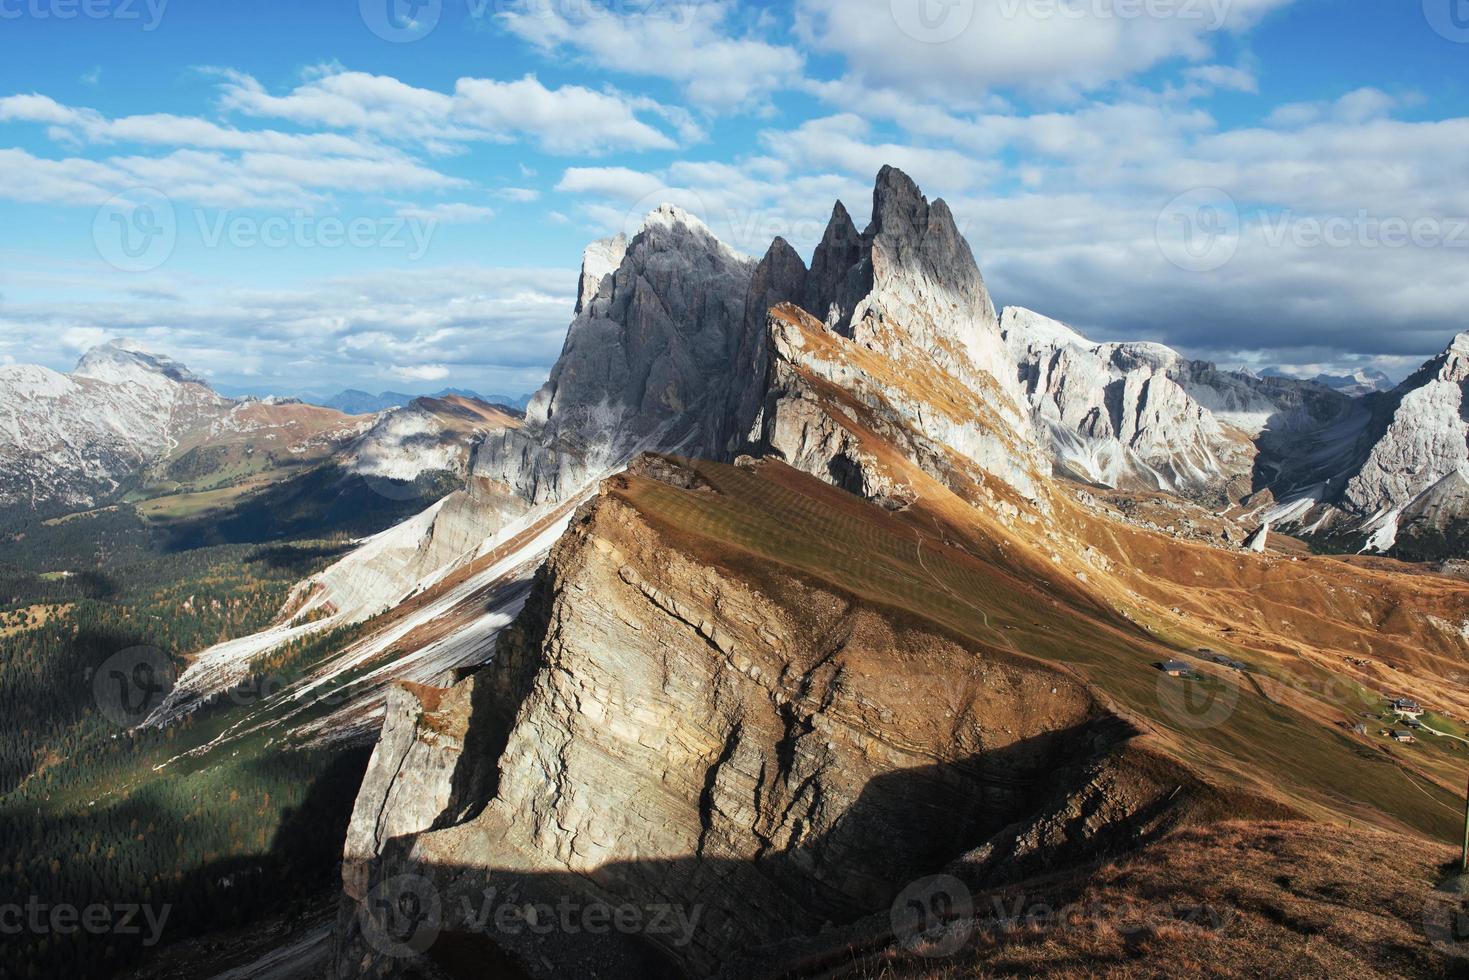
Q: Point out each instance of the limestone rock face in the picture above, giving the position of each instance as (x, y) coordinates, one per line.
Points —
(646, 363)
(780, 278)
(838, 411)
(1426, 438)
(1116, 414)
(600, 260)
(840, 276)
(911, 289)
(410, 780)
(753, 749)
(1402, 464)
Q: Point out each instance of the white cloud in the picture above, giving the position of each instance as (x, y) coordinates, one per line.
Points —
(618, 182)
(697, 45)
(1043, 46)
(497, 330)
(843, 143)
(212, 165)
(571, 119)
(456, 213)
(1226, 77)
(421, 372)
(1359, 106)
(88, 125)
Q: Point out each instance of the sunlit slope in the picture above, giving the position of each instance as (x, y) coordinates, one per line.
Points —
(927, 563)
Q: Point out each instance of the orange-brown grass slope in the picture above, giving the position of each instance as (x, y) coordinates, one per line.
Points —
(1230, 900)
(959, 568)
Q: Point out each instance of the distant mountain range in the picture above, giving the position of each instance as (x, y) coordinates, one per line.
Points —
(354, 401)
(131, 423)
(1363, 381)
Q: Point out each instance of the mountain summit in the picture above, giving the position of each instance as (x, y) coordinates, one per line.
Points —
(120, 361)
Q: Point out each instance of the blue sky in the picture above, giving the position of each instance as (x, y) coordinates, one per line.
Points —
(303, 197)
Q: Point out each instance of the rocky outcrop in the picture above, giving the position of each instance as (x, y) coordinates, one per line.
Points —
(428, 435)
(1400, 461)
(1115, 414)
(420, 774)
(758, 753)
(842, 412)
(645, 364)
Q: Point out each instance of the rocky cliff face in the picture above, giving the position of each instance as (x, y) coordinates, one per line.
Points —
(1115, 414)
(1389, 477)
(757, 754)
(645, 364)
(1426, 437)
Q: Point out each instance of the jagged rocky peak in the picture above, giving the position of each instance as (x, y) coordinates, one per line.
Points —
(1450, 366)
(599, 261)
(910, 234)
(927, 298)
(645, 364)
(839, 278)
(657, 326)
